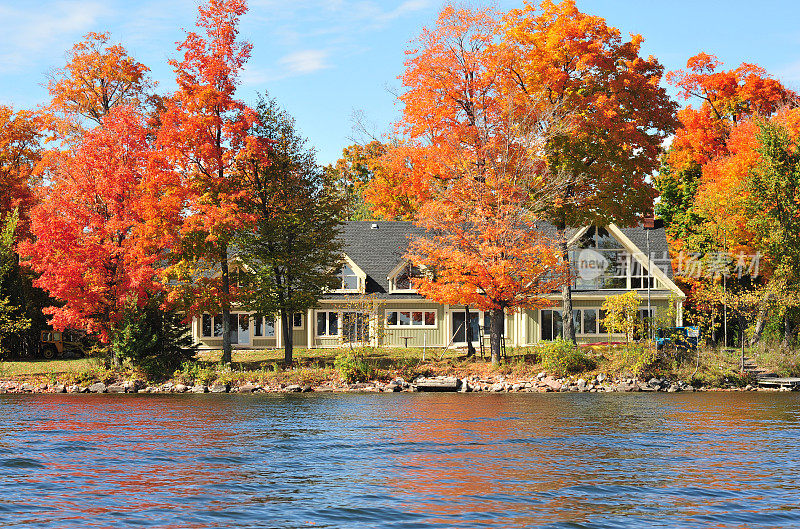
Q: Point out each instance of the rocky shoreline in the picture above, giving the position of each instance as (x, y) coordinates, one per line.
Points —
(543, 383)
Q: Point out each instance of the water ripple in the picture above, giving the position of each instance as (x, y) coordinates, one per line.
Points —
(403, 460)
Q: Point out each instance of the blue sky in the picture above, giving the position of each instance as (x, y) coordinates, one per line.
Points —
(325, 60)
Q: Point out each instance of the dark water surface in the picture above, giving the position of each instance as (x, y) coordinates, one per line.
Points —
(400, 460)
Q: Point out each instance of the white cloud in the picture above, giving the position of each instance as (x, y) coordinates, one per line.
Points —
(305, 62)
(33, 32)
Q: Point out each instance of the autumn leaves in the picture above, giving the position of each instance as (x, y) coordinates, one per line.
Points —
(508, 119)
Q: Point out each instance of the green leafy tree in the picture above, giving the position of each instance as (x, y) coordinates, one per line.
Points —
(12, 318)
(352, 173)
(774, 209)
(294, 251)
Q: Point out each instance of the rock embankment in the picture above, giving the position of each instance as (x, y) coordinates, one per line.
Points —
(542, 383)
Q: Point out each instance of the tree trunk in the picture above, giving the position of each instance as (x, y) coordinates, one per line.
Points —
(788, 330)
(496, 328)
(761, 320)
(226, 306)
(468, 332)
(288, 337)
(566, 291)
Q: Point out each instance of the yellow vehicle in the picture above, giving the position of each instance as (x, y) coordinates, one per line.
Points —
(66, 344)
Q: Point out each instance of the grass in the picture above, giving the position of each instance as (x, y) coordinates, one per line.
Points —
(46, 367)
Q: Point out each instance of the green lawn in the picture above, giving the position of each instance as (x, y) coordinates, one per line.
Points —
(43, 367)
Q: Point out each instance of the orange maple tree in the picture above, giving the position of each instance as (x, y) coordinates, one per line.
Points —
(618, 116)
(707, 140)
(98, 76)
(20, 152)
(204, 129)
(483, 250)
(450, 112)
(92, 243)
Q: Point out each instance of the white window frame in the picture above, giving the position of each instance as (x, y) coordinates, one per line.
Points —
(411, 319)
(361, 278)
(263, 319)
(395, 273)
(213, 327)
(327, 323)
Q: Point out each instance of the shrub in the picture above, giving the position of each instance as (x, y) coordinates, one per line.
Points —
(562, 358)
(353, 367)
(154, 340)
(637, 358)
(196, 373)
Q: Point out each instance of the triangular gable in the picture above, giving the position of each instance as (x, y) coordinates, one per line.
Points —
(645, 260)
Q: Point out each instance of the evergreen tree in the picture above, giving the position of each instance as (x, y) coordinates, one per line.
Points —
(155, 340)
(294, 252)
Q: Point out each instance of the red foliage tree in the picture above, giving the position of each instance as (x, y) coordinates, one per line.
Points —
(204, 129)
(20, 152)
(481, 249)
(92, 243)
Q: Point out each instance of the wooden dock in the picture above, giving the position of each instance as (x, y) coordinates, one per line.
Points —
(779, 382)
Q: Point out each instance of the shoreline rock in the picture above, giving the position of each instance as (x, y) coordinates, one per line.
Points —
(542, 383)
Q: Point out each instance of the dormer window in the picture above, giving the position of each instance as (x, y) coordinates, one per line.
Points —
(402, 281)
(349, 279)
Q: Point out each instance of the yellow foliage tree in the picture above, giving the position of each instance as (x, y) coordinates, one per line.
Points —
(621, 312)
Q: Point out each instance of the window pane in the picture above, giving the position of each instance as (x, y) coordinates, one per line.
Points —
(404, 319)
(601, 314)
(297, 319)
(349, 278)
(333, 324)
(218, 325)
(350, 282)
(547, 325)
(590, 321)
(430, 318)
(558, 324)
(269, 326)
(258, 326)
(322, 324)
(576, 321)
(206, 324)
(403, 279)
(416, 318)
(233, 322)
(391, 318)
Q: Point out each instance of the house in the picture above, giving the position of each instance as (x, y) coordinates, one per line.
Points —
(376, 303)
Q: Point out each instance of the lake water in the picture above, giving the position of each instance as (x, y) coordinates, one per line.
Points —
(400, 460)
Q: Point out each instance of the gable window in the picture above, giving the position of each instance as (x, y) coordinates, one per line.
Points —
(600, 262)
(411, 318)
(403, 280)
(327, 323)
(349, 279)
(640, 277)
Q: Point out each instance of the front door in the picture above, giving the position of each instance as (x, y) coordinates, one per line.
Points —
(459, 331)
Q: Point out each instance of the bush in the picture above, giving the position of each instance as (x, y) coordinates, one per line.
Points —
(353, 367)
(196, 373)
(637, 358)
(153, 340)
(562, 358)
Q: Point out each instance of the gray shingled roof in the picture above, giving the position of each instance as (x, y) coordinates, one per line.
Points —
(377, 247)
